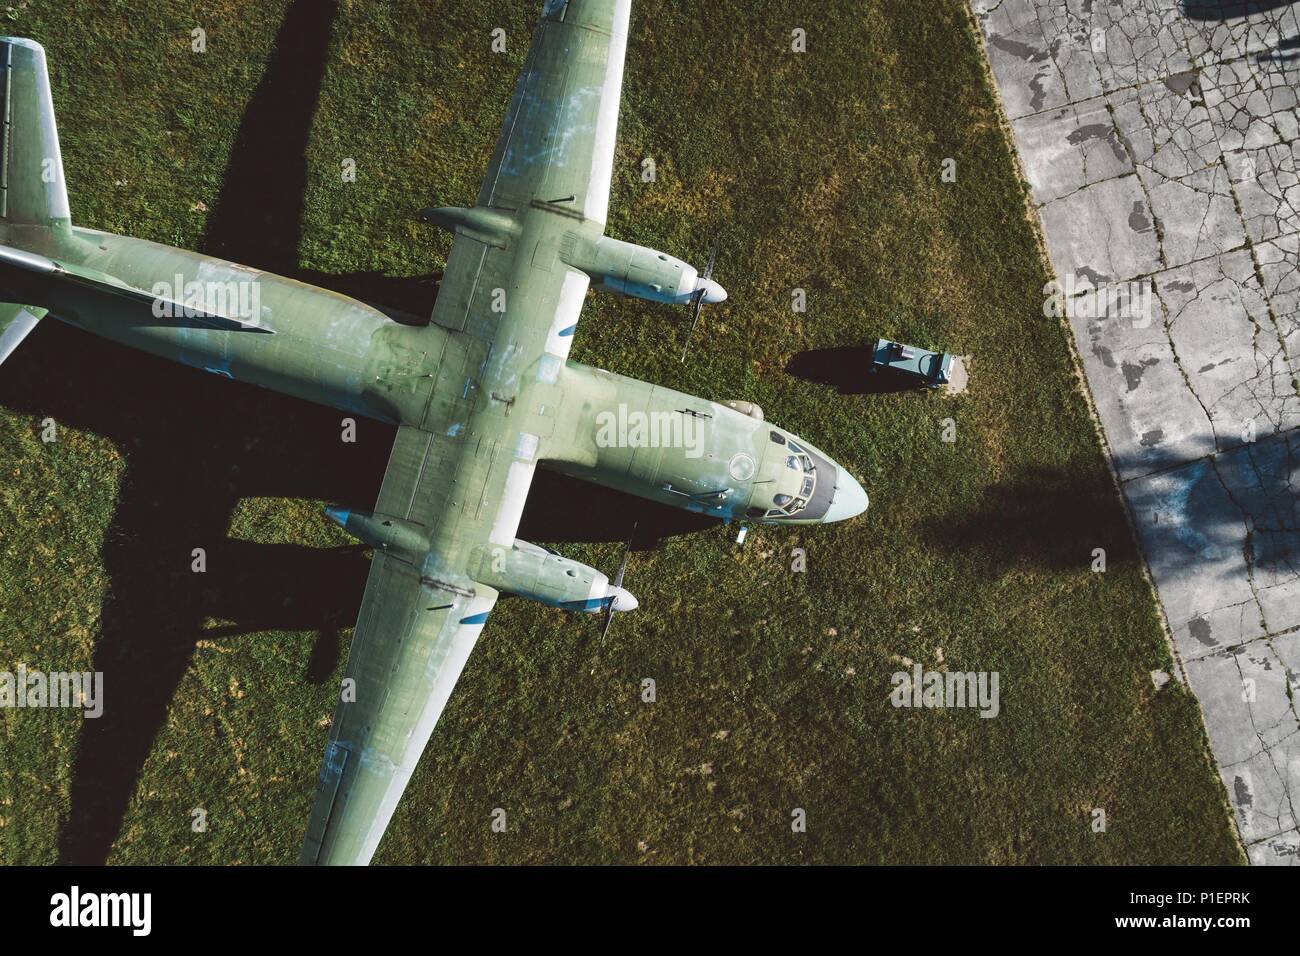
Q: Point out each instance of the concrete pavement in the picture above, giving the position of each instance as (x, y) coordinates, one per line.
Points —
(1161, 141)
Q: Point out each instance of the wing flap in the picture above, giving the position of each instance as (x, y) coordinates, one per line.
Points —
(465, 264)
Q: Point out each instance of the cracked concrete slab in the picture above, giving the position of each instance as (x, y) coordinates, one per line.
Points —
(1161, 142)
(1267, 185)
(1151, 418)
(1102, 232)
(1165, 127)
(1078, 145)
(1197, 214)
(1255, 734)
(1220, 329)
(1251, 103)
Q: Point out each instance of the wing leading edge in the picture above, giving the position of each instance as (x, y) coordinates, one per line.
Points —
(555, 151)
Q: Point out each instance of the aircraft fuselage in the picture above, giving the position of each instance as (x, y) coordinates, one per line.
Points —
(330, 349)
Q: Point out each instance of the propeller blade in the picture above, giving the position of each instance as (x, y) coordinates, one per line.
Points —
(699, 300)
(713, 257)
(618, 583)
(627, 553)
(695, 318)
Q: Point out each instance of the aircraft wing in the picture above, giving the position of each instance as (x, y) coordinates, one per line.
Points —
(556, 150)
(415, 632)
(557, 143)
(464, 473)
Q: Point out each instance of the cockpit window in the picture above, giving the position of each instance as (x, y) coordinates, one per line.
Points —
(756, 513)
(792, 462)
(794, 448)
(806, 490)
(776, 437)
(780, 500)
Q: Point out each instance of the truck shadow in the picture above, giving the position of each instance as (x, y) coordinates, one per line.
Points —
(845, 369)
(196, 446)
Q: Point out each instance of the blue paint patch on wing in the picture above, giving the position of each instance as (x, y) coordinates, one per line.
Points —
(548, 369)
(336, 757)
(480, 618)
(570, 330)
(590, 604)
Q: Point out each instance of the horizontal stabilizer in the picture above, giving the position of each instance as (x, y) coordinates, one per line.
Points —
(44, 280)
(16, 321)
(32, 191)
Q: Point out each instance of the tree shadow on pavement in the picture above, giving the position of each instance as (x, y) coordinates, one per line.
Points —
(1229, 9)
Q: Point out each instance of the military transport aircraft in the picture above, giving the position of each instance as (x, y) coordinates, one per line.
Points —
(481, 396)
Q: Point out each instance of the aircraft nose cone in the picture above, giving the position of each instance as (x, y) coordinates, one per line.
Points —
(849, 501)
(623, 600)
(339, 515)
(712, 291)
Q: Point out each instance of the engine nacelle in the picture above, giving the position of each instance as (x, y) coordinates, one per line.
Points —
(489, 226)
(613, 265)
(542, 575)
(405, 539)
(525, 569)
(629, 269)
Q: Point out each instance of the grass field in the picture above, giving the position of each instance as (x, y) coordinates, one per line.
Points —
(819, 171)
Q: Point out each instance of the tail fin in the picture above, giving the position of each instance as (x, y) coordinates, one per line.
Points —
(32, 190)
(16, 321)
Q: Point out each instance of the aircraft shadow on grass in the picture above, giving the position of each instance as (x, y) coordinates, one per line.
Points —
(196, 445)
